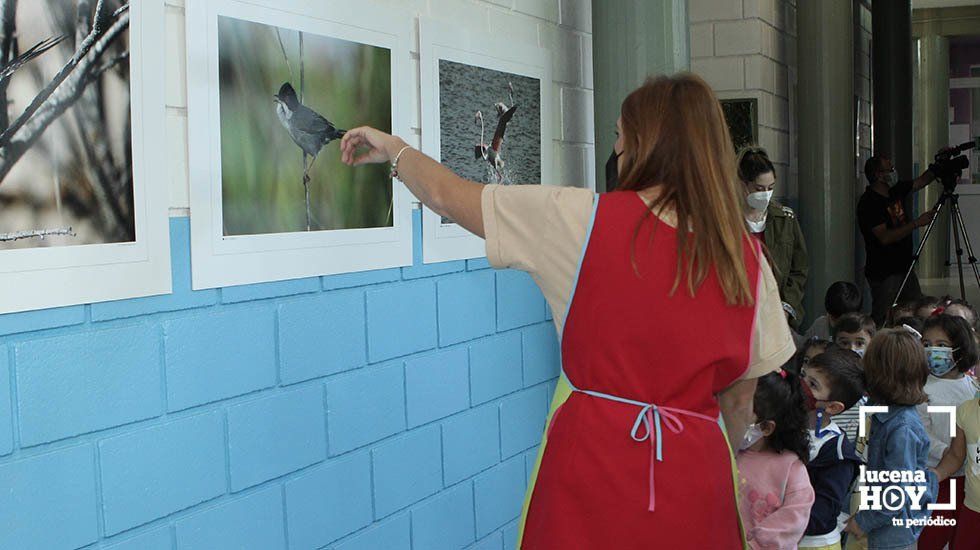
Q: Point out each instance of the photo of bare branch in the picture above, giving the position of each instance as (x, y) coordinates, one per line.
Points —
(65, 124)
(286, 98)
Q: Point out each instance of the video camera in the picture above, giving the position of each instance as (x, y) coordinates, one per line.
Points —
(948, 164)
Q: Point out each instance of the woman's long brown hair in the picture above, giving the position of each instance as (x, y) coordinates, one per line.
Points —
(675, 137)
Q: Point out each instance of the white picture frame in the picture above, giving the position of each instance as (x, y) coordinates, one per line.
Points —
(46, 277)
(438, 40)
(220, 261)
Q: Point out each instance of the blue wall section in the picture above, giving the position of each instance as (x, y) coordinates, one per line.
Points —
(398, 408)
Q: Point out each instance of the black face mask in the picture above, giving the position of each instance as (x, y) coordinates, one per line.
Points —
(612, 171)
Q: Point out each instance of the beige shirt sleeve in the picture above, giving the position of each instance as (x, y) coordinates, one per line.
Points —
(772, 343)
(540, 229)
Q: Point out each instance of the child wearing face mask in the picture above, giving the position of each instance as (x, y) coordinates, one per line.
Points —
(832, 383)
(775, 495)
(853, 332)
(895, 372)
(951, 350)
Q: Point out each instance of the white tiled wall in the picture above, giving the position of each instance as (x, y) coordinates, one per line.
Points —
(747, 48)
(562, 26)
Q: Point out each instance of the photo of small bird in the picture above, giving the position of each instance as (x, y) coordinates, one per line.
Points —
(309, 129)
(491, 153)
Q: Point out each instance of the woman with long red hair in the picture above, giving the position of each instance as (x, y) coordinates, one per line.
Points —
(667, 313)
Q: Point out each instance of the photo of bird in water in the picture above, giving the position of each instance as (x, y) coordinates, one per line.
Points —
(470, 95)
(308, 128)
(284, 97)
(492, 153)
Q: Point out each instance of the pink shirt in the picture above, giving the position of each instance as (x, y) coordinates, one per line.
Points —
(775, 497)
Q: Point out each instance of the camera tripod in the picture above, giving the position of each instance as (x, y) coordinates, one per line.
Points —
(952, 199)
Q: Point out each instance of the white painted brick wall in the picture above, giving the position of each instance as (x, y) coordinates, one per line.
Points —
(702, 40)
(562, 26)
(722, 73)
(742, 37)
(576, 14)
(747, 48)
(713, 10)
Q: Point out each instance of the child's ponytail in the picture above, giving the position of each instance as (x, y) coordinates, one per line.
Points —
(779, 398)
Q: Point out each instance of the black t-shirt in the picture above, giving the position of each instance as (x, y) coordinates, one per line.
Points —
(873, 210)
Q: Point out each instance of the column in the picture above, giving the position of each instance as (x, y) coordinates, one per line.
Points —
(826, 142)
(931, 131)
(631, 40)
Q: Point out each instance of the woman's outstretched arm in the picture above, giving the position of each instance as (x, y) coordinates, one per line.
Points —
(436, 186)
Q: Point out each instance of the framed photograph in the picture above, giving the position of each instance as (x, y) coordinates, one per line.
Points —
(486, 113)
(272, 87)
(83, 187)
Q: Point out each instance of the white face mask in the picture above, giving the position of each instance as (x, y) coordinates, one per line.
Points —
(759, 201)
(752, 434)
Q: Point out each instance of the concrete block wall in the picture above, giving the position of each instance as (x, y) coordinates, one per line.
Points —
(396, 409)
(747, 48)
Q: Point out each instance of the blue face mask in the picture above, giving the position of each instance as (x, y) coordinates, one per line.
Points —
(940, 360)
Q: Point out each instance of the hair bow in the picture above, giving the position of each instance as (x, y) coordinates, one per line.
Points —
(916, 333)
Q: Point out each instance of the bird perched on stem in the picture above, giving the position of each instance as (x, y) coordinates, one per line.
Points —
(309, 129)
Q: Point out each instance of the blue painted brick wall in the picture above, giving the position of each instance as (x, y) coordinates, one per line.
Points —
(118, 371)
(329, 501)
(321, 336)
(446, 522)
(406, 470)
(6, 416)
(470, 443)
(392, 534)
(499, 494)
(275, 435)
(398, 408)
(219, 354)
(157, 539)
(437, 386)
(48, 500)
(162, 469)
(255, 521)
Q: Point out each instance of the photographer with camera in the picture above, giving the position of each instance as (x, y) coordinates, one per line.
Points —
(885, 220)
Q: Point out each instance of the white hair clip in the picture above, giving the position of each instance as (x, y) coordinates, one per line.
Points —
(913, 331)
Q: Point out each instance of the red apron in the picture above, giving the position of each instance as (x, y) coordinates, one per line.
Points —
(635, 456)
